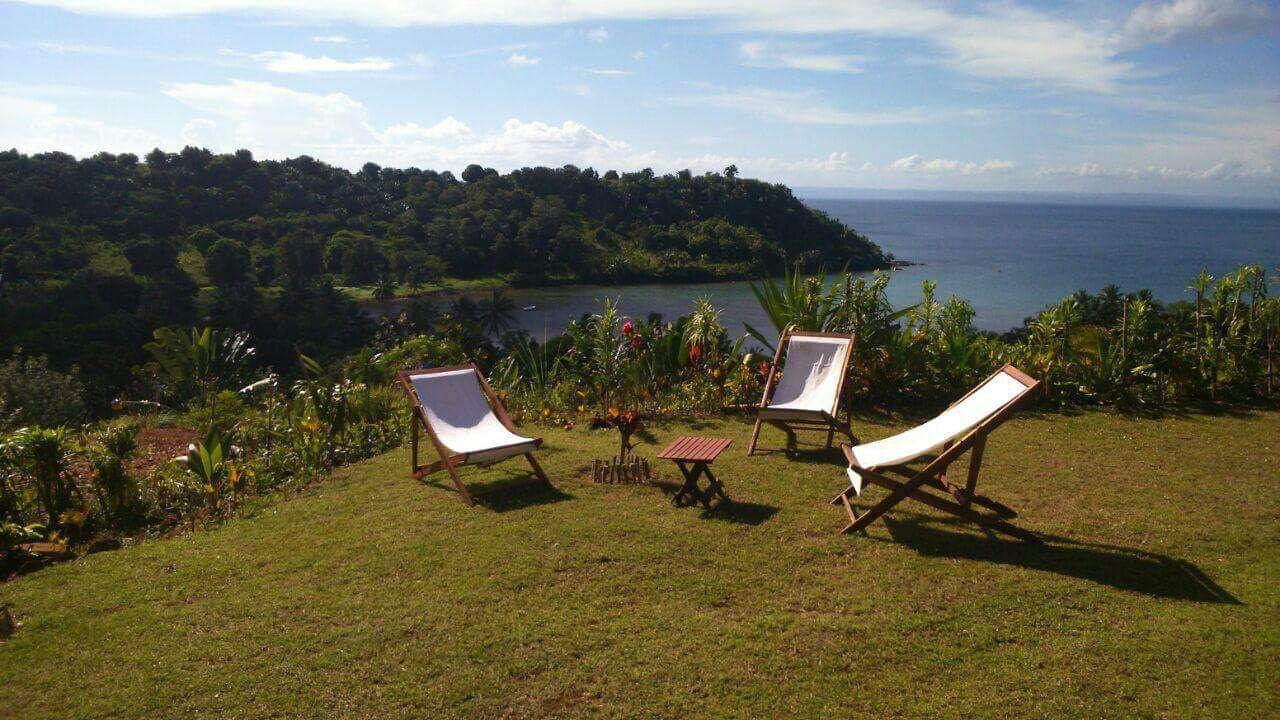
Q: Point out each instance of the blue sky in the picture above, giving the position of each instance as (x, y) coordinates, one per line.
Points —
(1171, 96)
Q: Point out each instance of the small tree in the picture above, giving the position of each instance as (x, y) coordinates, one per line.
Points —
(229, 263)
(299, 256)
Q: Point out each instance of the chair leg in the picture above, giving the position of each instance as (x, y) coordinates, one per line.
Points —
(755, 435)
(843, 499)
(900, 491)
(913, 490)
(413, 442)
(831, 435)
(457, 482)
(844, 495)
(975, 464)
(537, 470)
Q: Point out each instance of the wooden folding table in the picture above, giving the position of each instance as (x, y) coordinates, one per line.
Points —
(693, 455)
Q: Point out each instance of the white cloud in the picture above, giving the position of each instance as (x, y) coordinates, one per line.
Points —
(277, 122)
(200, 132)
(1001, 40)
(610, 71)
(1154, 21)
(597, 35)
(37, 126)
(521, 60)
(1227, 170)
(288, 122)
(639, 55)
(805, 108)
(280, 122)
(448, 129)
(297, 63)
(337, 39)
(772, 55)
(581, 90)
(944, 166)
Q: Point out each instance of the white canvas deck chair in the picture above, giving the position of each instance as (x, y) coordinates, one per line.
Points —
(465, 422)
(808, 394)
(962, 427)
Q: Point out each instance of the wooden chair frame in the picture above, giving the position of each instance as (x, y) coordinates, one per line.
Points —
(451, 462)
(828, 420)
(934, 475)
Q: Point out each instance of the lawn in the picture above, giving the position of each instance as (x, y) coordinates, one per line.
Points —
(373, 595)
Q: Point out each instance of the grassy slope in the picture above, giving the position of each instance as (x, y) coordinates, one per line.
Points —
(376, 596)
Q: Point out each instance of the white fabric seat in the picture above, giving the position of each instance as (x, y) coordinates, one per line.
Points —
(810, 382)
(999, 390)
(459, 413)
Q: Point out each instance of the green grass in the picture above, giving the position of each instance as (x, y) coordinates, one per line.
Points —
(364, 293)
(376, 596)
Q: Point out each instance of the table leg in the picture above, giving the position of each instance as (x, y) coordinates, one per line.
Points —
(690, 486)
(714, 486)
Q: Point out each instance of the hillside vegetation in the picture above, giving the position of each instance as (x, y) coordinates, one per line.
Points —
(97, 253)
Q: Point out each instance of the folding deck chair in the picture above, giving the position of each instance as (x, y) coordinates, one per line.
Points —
(465, 422)
(962, 427)
(808, 394)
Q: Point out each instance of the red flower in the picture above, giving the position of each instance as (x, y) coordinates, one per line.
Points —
(627, 328)
(635, 342)
(695, 352)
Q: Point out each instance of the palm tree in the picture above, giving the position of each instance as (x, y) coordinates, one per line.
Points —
(385, 291)
(496, 313)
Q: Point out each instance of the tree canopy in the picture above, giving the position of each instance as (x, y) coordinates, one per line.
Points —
(97, 253)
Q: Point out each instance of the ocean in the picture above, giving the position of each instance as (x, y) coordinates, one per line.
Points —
(1009, 260)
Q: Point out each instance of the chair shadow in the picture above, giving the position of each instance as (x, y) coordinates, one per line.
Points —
(740, 513)
(1112, 565)
(506, 494)
(807, 455)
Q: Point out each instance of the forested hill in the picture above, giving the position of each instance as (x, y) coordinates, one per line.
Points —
(96, 254)
(533, 225)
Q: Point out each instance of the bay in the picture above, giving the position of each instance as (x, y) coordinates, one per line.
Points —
(1009, 260)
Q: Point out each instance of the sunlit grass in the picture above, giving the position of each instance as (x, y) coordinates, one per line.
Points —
(373, 595)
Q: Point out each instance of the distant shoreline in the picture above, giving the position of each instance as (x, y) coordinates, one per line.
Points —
(1024, 197)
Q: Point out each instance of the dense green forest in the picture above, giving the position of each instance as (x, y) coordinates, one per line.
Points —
(97, 253)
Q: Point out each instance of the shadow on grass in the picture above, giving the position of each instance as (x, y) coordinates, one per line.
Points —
(504, 494)
(733, 511)
(812, 455)
(1118, 567)
(741, 513)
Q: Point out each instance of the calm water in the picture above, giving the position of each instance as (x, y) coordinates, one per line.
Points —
(1009, 260)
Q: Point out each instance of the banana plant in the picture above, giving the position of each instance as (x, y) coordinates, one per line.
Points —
(799, 302)
(198, 361)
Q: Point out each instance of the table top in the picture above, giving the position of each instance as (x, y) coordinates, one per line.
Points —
(694, 449)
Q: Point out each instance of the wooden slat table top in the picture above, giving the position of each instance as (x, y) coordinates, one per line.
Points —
(694, 449)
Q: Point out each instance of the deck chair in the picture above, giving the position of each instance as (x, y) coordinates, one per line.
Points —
(808, 394)
(962, 427)
(465, 422)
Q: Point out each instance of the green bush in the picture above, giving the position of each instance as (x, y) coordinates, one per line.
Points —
(116, 489)
(42, 458)
(32, 393)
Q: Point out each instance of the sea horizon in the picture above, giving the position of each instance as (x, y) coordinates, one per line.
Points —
(1045, 197)
(1010, 260)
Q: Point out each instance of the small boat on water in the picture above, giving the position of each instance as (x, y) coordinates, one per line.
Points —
(529, 308)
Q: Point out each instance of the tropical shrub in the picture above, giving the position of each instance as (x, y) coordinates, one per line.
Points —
(116, 489)
(192, 363)
(32, 393)
(42, 459)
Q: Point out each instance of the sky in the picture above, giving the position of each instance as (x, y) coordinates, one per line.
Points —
(1160, 96)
